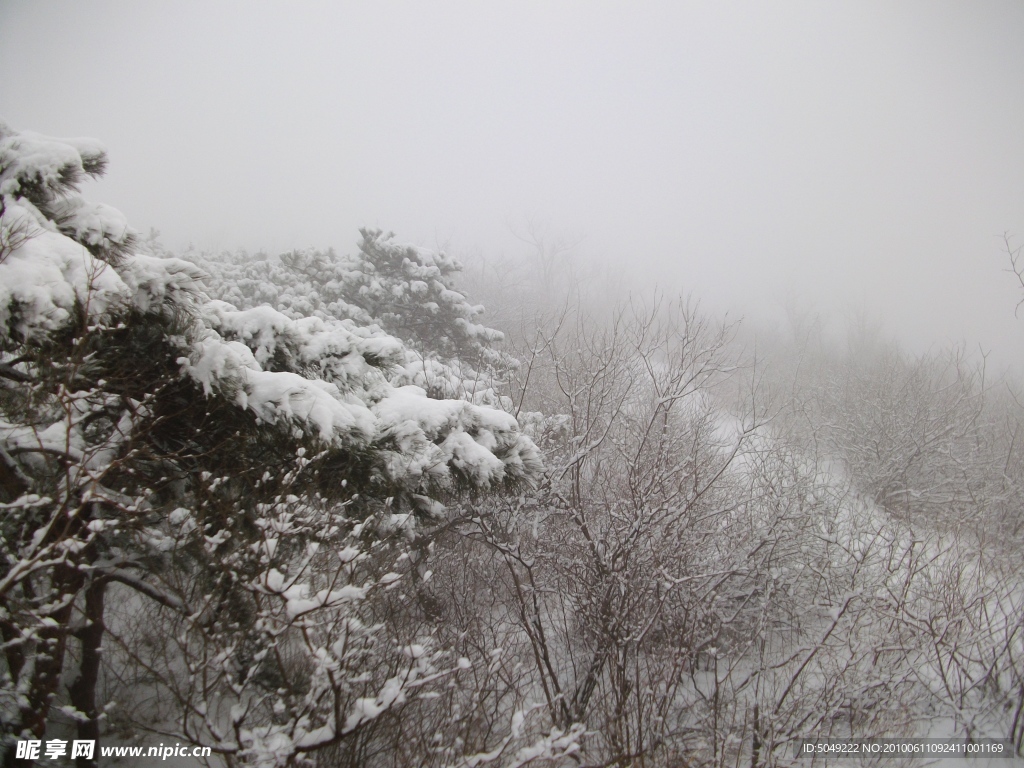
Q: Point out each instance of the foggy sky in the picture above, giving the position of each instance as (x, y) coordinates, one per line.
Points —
(846, 157)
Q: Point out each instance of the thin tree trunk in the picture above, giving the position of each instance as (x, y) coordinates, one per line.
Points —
(755, 749)
(83, 690)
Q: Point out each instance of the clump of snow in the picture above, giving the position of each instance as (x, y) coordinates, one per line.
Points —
(94, 225)
(46, 275)
(33, 165)
(156, 283)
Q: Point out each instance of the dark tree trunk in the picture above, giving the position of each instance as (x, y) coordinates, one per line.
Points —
(83, 690)
(53, 642)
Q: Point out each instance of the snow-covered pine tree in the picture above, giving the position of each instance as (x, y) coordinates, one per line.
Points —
(409, 292)
(242, 480)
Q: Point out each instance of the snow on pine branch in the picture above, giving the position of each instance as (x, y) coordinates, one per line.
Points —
(424, 438)
(46, 276)
(42, 168)
(405, 290)
(324, 376)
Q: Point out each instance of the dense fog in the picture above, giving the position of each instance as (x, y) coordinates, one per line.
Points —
(461, 385)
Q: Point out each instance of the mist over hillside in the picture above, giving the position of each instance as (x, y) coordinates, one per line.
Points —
(460, 386)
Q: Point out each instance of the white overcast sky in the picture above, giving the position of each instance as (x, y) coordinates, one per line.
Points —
(847, 156)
